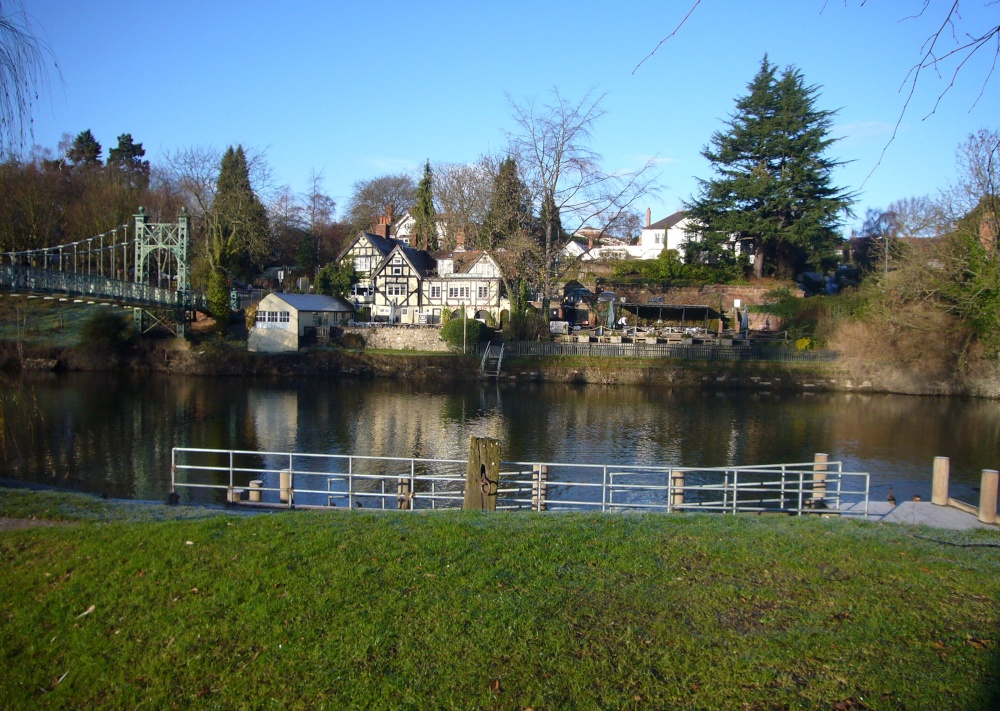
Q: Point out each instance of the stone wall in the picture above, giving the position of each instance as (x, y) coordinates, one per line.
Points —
(401, 338)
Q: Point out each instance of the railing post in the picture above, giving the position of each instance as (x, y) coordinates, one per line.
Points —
(988, 496)
(539, 473)
(285, 483)
(819, 480)
(482, 474)
(939, 483)
(676, 488)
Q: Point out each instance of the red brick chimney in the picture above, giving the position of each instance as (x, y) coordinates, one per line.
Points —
(649, 217)
(384, 226)
(460, 240)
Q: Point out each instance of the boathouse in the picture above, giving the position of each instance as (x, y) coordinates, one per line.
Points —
(285, 321)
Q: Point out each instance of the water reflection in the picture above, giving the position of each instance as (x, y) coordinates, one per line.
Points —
(106, 433)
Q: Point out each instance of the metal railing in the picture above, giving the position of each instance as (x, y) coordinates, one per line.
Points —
(33, 279)
(667, 350)
(288, 479)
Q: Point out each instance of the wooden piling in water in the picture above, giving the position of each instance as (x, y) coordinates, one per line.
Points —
(939, 481)
(285, 486)
(988, 496)
(482, 476)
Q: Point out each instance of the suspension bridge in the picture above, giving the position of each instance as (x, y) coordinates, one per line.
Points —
(143, 266)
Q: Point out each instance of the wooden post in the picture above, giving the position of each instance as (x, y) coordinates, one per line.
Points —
(538, 487)
(819, 480)
(255, 490)
(403, 500)
(677, 482)
(483, 474)
(285, 485)
(988, 496)
(939, 484)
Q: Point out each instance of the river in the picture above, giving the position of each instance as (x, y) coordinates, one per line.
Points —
(113, 434)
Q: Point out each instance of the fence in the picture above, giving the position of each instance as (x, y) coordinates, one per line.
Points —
(31, 279)
(665, 350)
(330, 480)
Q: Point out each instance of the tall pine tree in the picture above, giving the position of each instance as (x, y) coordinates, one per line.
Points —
(773, 188)
(509, 211)
(237, 229)
(425, 228)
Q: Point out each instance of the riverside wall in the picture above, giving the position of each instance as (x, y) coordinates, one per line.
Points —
(402, 338)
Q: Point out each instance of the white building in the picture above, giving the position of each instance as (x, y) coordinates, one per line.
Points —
(284, 320)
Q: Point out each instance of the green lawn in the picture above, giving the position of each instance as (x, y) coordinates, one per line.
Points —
(505, 611)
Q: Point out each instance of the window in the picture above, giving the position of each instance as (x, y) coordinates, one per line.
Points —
(272, 317)
(458, 292)
(435, 292)
(395, 290)
(483, 292)
(261, 317)
(397, 271)
(284, 317)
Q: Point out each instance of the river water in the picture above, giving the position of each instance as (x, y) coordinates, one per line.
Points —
(113, 434)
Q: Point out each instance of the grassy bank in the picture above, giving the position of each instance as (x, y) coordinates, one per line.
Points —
(458, 610)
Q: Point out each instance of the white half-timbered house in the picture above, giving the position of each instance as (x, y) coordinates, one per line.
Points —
(366, 252)
(397, 282)
(466, 279)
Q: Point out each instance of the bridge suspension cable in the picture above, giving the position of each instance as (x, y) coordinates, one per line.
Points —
(105, 255)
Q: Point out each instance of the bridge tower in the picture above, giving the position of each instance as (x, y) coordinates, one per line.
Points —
(165, 245)
(170, 238)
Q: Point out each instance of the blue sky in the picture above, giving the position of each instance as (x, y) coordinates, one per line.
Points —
(356, 90)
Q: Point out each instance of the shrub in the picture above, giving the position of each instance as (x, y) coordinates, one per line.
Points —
(353, 340)
(106, 329)
(218, 300)
(474, 332)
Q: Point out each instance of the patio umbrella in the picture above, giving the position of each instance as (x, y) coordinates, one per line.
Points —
(392, 313)
(745, 320)
(611, 314)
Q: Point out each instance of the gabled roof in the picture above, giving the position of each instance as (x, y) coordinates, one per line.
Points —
(667, 222)
(314, 302)
(419, 260)
(464, 260)
(382, 244)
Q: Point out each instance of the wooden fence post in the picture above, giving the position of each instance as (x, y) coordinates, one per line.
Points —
(819, 480)
(988, 496)
(939, 482)
(677, 484)
(482, 476)
(538, 487)
(403, 498)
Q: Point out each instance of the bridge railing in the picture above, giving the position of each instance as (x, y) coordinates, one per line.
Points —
(23, 278)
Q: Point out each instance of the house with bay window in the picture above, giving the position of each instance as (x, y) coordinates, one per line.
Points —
(411, 286)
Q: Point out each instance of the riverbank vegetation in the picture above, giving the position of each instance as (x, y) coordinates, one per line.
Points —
(463, 610)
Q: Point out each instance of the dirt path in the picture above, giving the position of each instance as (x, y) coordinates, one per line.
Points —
(16, 524)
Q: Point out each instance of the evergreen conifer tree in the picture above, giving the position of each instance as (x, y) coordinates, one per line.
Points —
(237, 229)
(773, 188)
(509, 210)
(425, 229)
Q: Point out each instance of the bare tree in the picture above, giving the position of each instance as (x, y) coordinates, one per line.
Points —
(22, 71)
(917, 217)
(462, 192)
(564, 174)
(372, 198)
